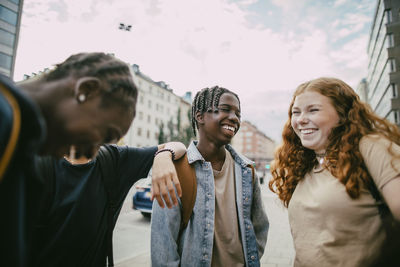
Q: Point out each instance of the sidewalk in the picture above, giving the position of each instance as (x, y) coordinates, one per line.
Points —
(279, 250)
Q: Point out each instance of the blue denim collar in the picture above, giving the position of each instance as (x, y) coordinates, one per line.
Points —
(194, 155)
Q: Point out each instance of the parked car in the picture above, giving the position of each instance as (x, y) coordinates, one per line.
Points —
(142, 197)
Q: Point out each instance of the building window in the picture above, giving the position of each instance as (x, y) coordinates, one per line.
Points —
(389, 17)
(139, 131)
(395, 90)
(392, 63)
(141, 99)
(7, 38)
(8, 15)
(390, 40)
(169, 98)
(396, 114)
(140, 115)
(148, 134)
(148, 118)
(5, 61)
(149, 104)
(150, 89)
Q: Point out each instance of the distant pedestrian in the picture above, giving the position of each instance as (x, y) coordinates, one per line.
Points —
(228, 226)
(338, 161)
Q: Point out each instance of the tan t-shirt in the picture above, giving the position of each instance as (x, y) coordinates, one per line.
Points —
(331, 229)
(227, 250)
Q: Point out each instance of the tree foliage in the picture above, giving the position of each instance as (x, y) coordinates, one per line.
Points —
(175, 130)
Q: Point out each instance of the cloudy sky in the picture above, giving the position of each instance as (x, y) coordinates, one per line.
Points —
(261, 49)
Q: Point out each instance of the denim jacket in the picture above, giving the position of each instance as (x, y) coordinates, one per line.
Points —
(194, 246)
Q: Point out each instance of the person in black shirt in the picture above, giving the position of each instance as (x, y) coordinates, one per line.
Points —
(84, 102)
(73, 228)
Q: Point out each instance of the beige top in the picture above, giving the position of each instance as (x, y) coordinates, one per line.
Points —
(331, 229)
(227, 250)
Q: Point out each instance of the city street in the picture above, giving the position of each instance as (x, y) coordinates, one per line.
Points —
(132, 236)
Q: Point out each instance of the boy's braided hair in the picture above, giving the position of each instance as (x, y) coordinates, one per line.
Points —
(206, 100)
(113, 72)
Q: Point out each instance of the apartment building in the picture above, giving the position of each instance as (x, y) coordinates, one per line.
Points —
(10, 20)
(254, 144)
(383, 77)
(362, 90)
(157, 105)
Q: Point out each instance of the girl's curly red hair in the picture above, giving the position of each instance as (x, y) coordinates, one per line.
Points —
(356, 119)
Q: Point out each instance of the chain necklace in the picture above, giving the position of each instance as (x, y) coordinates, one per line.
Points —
(321, 158)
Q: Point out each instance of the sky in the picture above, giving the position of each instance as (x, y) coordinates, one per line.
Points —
(260, 49)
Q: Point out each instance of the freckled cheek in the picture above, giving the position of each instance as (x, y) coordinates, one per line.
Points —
(293, 123)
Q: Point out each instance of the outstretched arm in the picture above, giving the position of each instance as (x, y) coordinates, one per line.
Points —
(164, 177)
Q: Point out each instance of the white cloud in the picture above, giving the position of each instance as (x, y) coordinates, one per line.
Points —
(290, 5)
(194, 44)
(248, 2)
(351, 23)
(339, 3)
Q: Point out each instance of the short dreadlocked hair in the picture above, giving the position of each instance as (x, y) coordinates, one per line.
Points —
(207, 99)
(107, 68)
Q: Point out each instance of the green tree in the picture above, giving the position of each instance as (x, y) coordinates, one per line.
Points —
(161, 136)
(171, 130)
(176, 132)
(187, 133)
(178, 121)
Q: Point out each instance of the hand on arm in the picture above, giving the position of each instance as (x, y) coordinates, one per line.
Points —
(390, 193)
(164, 177)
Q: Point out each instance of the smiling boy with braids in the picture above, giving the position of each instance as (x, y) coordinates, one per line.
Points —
(228, 226)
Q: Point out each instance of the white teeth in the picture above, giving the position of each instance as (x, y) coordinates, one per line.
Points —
(230, 128)
(306, 131)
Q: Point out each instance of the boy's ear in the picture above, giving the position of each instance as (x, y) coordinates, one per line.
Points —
(199, 118)
(86, 87)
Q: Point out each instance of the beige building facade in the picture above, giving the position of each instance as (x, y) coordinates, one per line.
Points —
(254, 144)
(156, 105)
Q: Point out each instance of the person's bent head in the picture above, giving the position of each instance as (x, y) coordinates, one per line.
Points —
(326, 119)
(87, 100)
(216, 115)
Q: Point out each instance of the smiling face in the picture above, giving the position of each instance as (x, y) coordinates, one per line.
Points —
(220, 125)
(313, 118)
